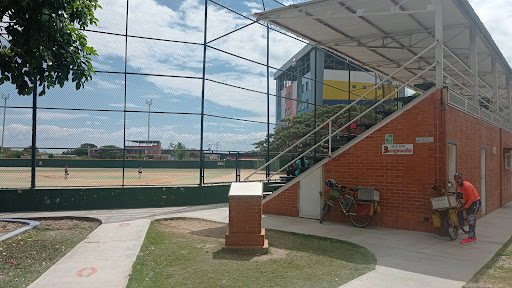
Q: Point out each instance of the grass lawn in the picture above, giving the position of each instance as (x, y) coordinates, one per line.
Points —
(188, 253)
(27, 256)
(497, 272)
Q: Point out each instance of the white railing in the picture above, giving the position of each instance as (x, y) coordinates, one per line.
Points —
(328, 122)
(476, 110)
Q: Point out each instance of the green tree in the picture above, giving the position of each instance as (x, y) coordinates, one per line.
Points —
(82, 151)
(44, 41)
(51, 155)
(9, 153)
(28, 150)
(179, 150)
(297, 127)
(110, 152)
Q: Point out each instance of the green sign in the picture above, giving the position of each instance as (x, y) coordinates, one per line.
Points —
(389, 139)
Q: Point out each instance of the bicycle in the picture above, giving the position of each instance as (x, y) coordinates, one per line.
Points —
(347, 203)
(447, 220)
(462, 218)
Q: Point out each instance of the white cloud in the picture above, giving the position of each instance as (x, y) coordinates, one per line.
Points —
(46, 115)
(497, 18)
(185, 23)
(128, 105)
(153, 96)
(55, 136)
(107, 84)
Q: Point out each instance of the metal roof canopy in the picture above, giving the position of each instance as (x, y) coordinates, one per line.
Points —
(402, 38)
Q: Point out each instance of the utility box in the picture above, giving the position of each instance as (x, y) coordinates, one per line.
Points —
(444, 202)
(368, 194)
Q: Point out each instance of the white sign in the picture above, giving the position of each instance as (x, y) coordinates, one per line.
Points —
(394, 149)
(424, 139)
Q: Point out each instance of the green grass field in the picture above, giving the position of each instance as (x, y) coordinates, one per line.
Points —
(19, 177)
(188, 253)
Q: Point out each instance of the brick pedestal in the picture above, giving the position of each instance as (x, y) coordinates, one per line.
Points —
(245, 230)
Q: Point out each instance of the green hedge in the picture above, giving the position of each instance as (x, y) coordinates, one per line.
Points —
(110, 198)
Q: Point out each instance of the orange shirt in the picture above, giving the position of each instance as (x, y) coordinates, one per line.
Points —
(469, 193)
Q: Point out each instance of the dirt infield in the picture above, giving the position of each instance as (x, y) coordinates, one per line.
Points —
(19, 177)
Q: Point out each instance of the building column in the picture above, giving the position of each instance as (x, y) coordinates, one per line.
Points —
(438, 7)
(494, 75)
(473, 56)
(509, 99)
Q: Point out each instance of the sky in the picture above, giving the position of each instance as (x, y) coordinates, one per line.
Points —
(181, 20)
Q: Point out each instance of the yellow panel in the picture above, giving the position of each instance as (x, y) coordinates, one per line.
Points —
(331, 93)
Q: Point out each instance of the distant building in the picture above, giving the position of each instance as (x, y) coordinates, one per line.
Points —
(136, 149)
(299, 80)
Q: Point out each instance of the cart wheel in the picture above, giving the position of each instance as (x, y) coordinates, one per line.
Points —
(358, 220)
(453, 232)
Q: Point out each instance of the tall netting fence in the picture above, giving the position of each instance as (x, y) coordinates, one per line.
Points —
(186, 92)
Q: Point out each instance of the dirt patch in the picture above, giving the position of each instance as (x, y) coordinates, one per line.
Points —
(65, 224)
(209, 229)
(8, 227)
(194, 226)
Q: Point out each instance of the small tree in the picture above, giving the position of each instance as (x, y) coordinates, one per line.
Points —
(110, 152)
(179, 150)
(44, 43)
(300, 125)
(82, 151)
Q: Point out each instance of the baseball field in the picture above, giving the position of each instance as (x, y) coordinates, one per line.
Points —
(19, 177)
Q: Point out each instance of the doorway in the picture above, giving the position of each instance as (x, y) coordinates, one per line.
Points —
(310, 192)
(483, 179)
(452, 165)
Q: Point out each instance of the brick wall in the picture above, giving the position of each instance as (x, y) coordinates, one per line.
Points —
(244, 229)
(506, 174)
(472, 134)
(405, 181)
(285, 203)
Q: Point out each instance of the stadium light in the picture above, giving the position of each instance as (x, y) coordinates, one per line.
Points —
(5, 97)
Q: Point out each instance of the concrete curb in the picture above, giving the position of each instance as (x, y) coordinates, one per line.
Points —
(31, 225)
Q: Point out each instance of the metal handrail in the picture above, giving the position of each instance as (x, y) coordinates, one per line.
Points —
(460, 61)
(456, 82)
(337, 114)
(352, 121)
(472, 83)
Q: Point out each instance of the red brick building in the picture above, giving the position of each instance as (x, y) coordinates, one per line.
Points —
(406, 181)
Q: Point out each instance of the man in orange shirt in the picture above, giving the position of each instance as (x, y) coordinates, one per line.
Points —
(472, 204)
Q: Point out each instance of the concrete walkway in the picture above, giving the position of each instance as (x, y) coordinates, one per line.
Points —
(404, 258)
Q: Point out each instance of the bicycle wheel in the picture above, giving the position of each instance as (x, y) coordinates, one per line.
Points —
(325, 210)
(358, 220)
(453, 232)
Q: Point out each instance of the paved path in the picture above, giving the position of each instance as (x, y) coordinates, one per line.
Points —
(404, 258)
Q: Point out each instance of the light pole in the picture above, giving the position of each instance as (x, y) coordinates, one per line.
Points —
(149, 103)
(5, 97)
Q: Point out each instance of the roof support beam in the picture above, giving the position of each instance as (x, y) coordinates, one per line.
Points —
(378, 29)
(331, 15)
(509, 98)
(473, 56)
(495, 76)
